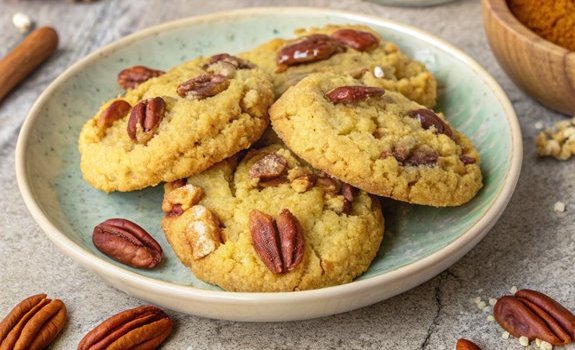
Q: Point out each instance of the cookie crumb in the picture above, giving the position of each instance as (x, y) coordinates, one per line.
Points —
(492, 301)
(539, 125)
(557, 142)
(523, 340)
(22, 22)
(513, 290)
(559, 207)
(490, 318)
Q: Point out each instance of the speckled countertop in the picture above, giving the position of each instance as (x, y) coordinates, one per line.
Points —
(531, 246)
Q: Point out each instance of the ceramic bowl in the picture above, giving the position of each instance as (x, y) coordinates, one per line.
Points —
(539, 67)
(419, 242)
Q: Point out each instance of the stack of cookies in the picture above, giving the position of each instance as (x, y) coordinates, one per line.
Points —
(293, 206)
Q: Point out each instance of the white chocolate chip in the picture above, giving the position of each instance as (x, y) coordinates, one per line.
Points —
(523, 340)
(22, 22)
(378, 72)
(559, 207)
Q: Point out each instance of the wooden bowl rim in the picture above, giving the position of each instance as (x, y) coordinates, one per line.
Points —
(520, 30)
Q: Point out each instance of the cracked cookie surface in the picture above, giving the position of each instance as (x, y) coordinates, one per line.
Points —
(378, 144)
(338, 246)
(193, 134)
(384, 66)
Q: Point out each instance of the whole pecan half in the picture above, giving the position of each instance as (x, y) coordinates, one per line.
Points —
(358, 40)
(535, 315)
(145, 119)
(33, 324)
(465, 344)
(203, 86)
(291, 239)
(352, 94)
(130, 78)
(268, 167)
(429, 119)
(128, 243)
(116, 110)
(312, 48)
(281, 249)
(144, 327)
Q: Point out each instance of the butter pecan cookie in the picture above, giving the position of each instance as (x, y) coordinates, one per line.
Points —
(377, 140)
(269, 222)
(175, 124)
(351, 49)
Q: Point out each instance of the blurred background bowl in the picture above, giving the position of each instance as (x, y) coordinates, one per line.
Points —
(411, 3)
(542, 69)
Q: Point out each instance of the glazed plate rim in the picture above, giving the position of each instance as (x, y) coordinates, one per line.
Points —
(108, 270)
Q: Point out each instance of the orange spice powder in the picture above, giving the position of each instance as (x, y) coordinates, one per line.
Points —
(553, 20)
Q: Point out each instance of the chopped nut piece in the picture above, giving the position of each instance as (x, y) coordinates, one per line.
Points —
(524, 341)
(505, 335)
(268, 167)
(203, 233)
(303, 183)
(185, 197)
(557, 142)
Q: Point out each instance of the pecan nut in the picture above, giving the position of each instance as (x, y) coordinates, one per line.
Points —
(203, 233)
(535, 315)
(128, 243)
(465, 344)
(280, 248)
(466, 160)
(237, 62)
(33, 324)
(312, 48)
(291, 239)
(145, 119)
(303, 183)
(130, 78)
(203, 86)
(429, 119)
(422, 156)
(268, 167)
(348, 193)
(353, 94)
(144, 327)
(358, 40)
(181, 198)
(116, 110)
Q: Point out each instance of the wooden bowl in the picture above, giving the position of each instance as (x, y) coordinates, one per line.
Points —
(544, 70)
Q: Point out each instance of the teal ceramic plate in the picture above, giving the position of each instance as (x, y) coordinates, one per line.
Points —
(419, 242)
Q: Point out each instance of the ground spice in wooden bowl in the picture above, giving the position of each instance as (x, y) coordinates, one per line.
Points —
(553, 20)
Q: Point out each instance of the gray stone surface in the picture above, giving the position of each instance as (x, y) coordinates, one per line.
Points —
(531, 246)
